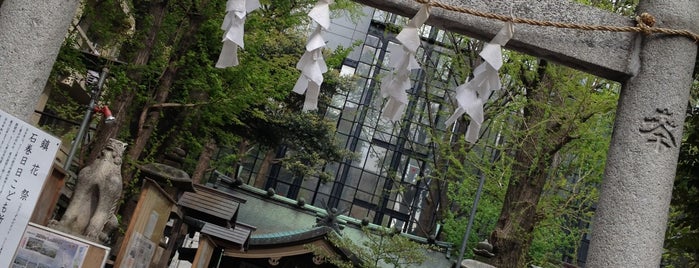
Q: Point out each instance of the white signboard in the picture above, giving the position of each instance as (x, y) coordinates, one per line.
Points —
(26, 156)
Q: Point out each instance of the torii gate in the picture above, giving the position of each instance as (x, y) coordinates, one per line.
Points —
(656, 72)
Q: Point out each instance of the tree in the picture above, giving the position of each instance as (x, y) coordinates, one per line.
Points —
(570, 195)
(379, 247)
(251, 104)
(169, 73)
(557, 102)
(548, 126)
(682, 236)
(548, 110)
(168, 94)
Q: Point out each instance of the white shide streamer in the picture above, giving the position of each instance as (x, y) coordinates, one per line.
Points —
(312, 64)
(401, 62)
(474, 93)
(234, 25)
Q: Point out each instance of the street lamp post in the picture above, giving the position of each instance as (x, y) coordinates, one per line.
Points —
(91, 108)
(470, 219)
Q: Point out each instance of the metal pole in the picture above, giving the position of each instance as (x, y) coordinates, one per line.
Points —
(470, 219)
(86, 120)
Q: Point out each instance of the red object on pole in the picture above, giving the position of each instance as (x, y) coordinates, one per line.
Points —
(108, 117)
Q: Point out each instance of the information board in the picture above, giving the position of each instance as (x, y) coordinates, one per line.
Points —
(45, 248)
(26, 157)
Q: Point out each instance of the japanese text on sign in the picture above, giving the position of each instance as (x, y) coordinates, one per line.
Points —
(26, 155)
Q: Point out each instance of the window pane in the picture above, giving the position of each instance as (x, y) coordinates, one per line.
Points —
(375, 158)
(359, 212)
(368, 54)
(332, 114)
(344, 127)
(425, 30)
(372, 41)
(348, 193)
(380, 15)
(412, 171)
(347, 70)
(368, 186)
(363, 70)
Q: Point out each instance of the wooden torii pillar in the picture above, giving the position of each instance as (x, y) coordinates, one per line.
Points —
(656, 72)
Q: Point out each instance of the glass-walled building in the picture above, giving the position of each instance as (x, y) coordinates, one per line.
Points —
(388, 182)
(384, 183)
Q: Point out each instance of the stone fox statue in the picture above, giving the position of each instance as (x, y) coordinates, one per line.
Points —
(96, 195)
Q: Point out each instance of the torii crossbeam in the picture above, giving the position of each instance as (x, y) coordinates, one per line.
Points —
(656, 72)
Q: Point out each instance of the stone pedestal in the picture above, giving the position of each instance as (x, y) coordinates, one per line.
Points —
(468, 263)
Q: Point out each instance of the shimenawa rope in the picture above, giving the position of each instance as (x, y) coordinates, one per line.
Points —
(645, 22)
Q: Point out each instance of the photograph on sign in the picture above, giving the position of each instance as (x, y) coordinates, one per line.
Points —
(141, 251)
(41, 248)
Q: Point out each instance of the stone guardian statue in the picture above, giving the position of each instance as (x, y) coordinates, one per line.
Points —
(91, 212)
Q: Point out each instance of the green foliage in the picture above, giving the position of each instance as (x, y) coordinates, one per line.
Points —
(577, 169)
(579, 109)
(624, 7)
(379, 247)
(229, 104)
(309, 138)
(682, 236)
(571, 193)
(108, 22)
(69, 67)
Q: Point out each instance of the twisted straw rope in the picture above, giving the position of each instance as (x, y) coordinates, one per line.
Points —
(644, 21)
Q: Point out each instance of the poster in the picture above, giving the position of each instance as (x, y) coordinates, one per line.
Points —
(26, 157)
(139, 252)
(39, 248)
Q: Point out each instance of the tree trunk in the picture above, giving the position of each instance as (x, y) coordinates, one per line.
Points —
(204, 160)
(512, 236)
(121, 104)
(432, 212)
(243, 146)
(147, 125)
(438, 200)
(261, 178)
(513, 232)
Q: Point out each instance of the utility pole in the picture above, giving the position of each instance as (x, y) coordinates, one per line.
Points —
(95, 94)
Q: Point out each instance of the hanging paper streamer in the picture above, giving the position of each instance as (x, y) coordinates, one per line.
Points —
(473, 94)
(402, 61)
(312, 64)
(233, 25)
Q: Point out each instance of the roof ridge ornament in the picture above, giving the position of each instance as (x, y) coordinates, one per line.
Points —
(331, 219)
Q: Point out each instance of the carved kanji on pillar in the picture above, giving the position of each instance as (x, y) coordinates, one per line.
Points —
(658, 130)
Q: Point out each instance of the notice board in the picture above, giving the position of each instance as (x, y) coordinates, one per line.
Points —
(41, 246)
(26, 156)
